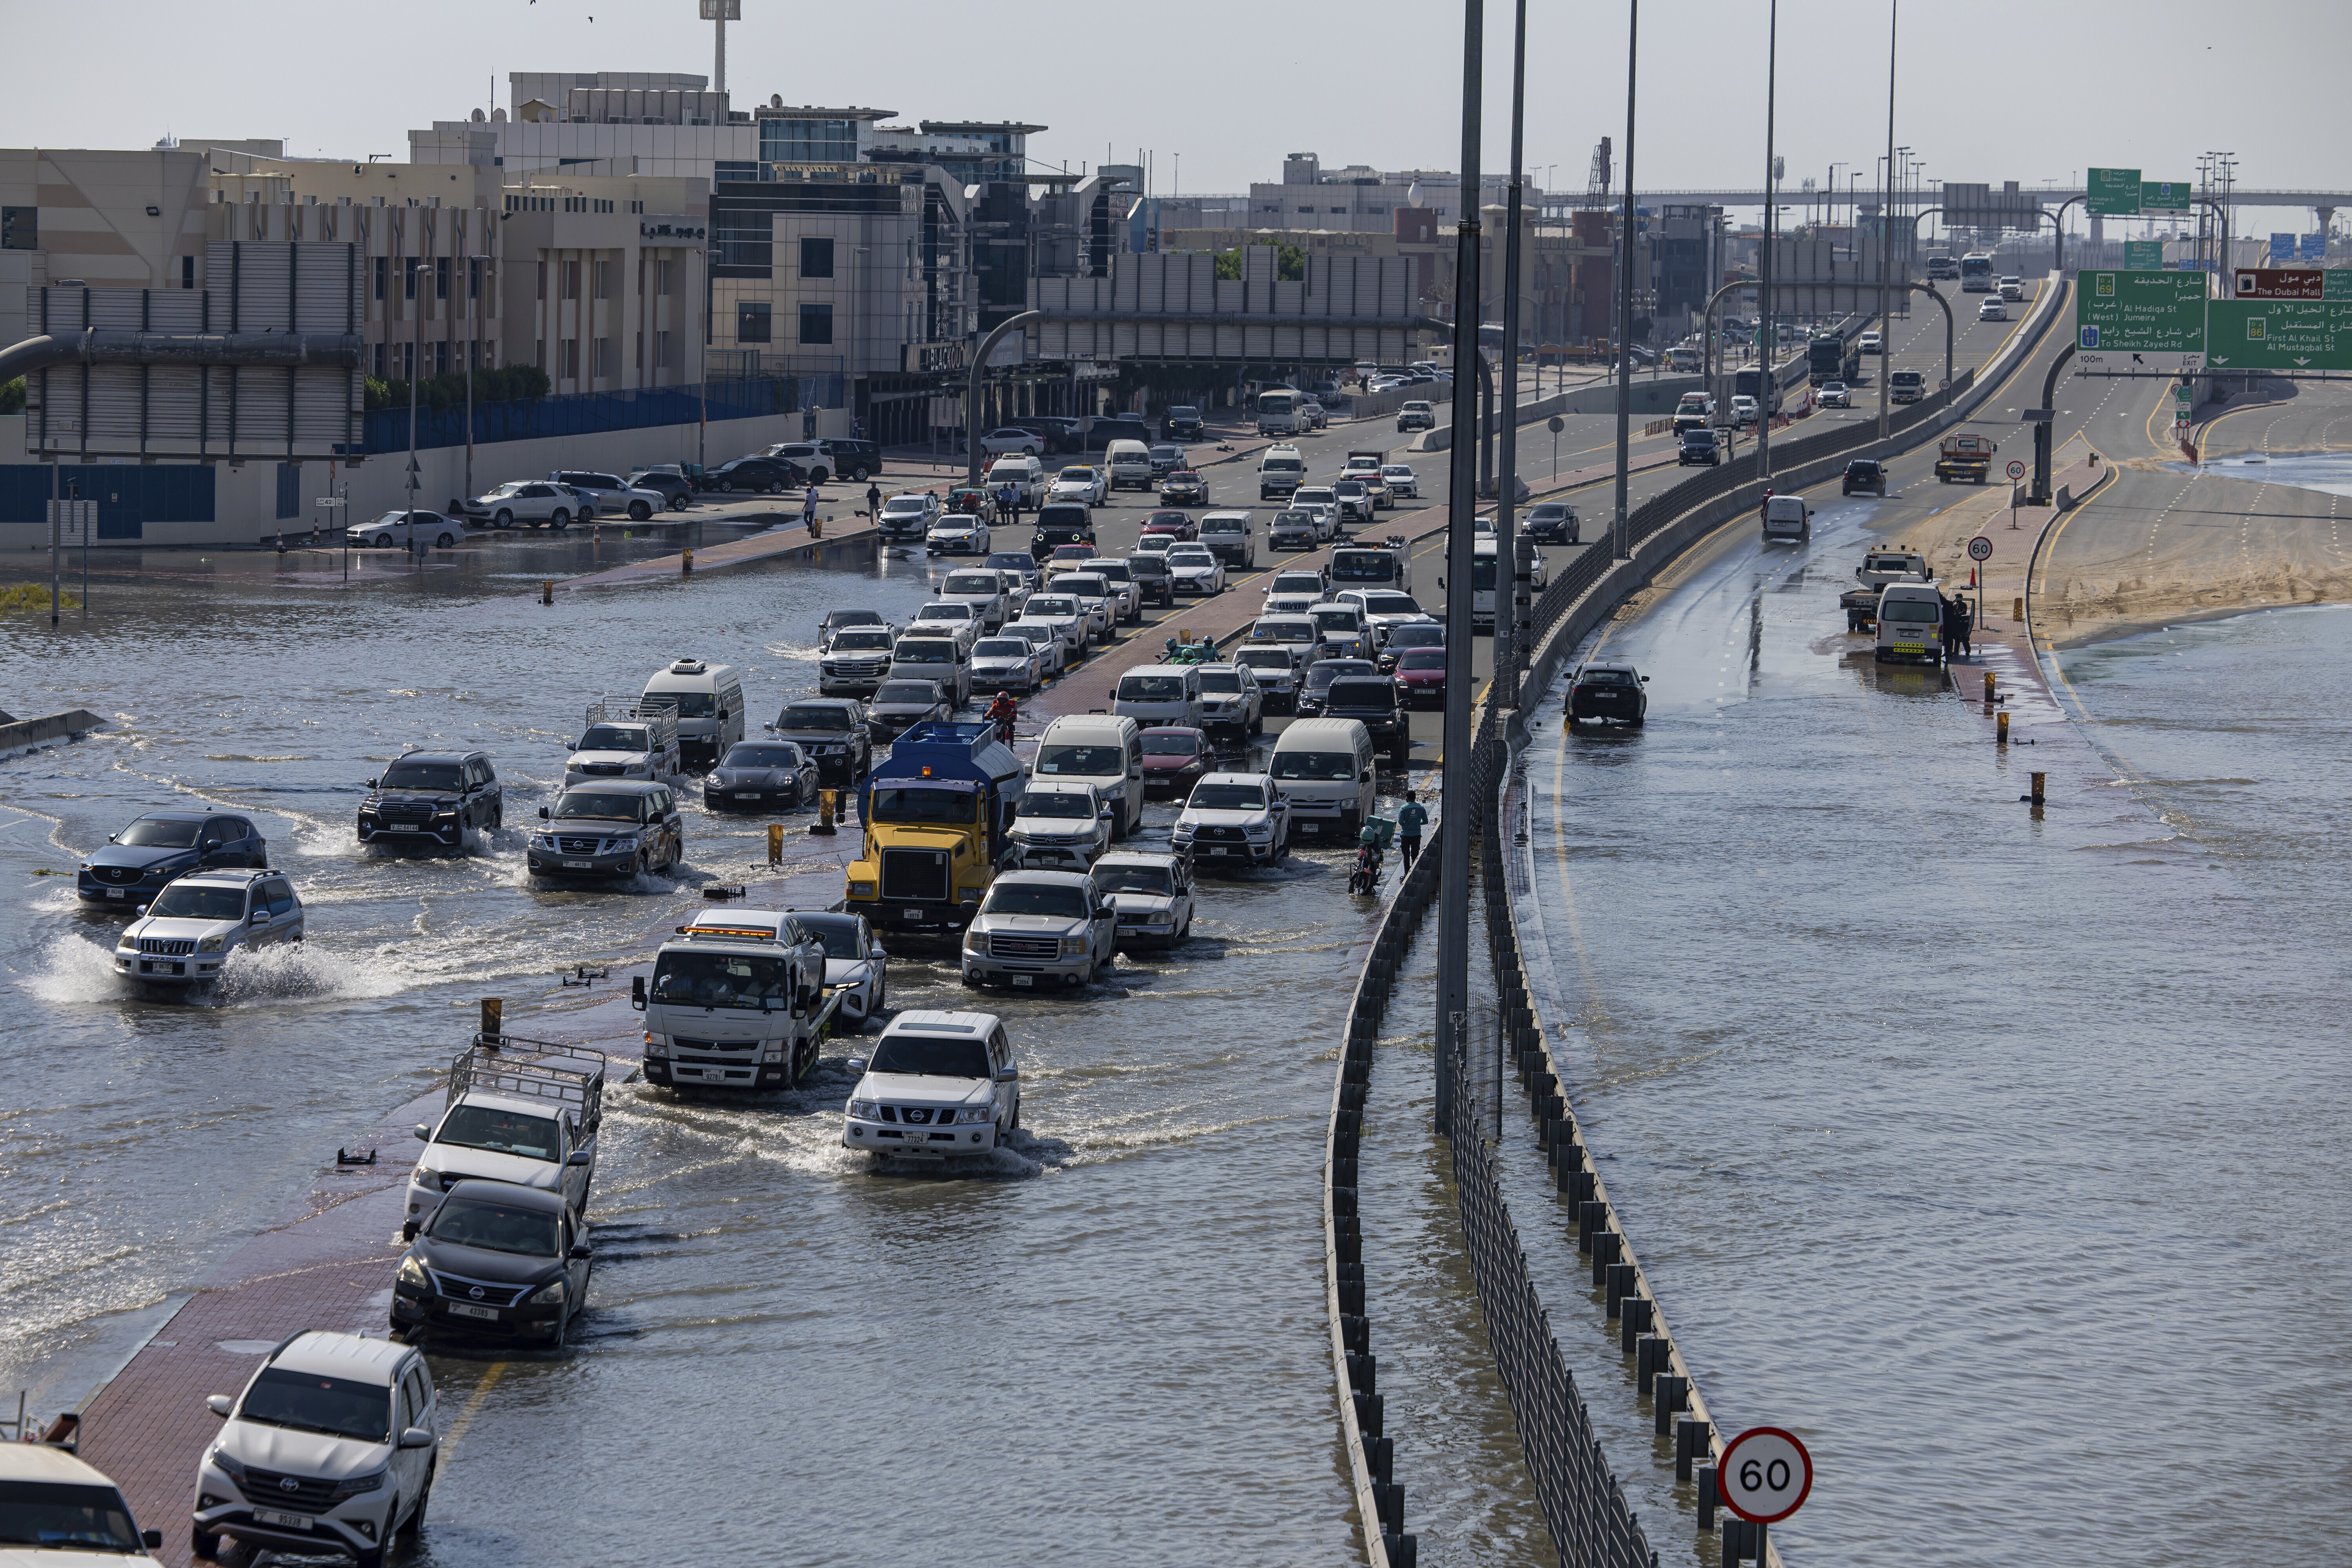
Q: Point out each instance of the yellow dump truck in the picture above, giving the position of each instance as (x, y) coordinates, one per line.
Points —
(1964, 457)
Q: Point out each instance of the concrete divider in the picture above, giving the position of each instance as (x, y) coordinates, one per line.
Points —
(25, 734)
(1657, 394)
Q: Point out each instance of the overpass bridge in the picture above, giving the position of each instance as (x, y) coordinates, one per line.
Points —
(1556, 204)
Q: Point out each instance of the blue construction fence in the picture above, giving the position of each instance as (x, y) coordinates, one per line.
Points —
(129, 495)
(596, 413)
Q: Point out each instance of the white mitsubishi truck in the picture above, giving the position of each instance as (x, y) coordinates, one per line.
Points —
(737, 1001)
(624, 741)
(518, 1110)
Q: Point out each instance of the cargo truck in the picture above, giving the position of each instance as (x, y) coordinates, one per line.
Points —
(937, 816)
(1964, 457)
(737, 1000)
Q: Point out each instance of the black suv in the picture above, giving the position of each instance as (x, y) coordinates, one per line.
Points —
(856, 461)
(768, 474)
(1609, 688)
(1110, 428)
(1699, 446)
(136, 862)
(426, 800)
(1866, 474)
(1372, 701)
(1059, 524)
(1154, 583)
(1059, 433)
(1184, 423)
(1553, 522)
(832, 732)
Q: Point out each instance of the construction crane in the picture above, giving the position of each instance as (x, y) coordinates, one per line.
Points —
(1596, 185)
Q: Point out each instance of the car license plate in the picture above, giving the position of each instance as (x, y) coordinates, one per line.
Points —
(579, 866)
(911, 914)
(282, 1520)
(467, 1310)
(746, 794)
(113, 892)
(1215, 849)
(1024, 979)
(1308, 826)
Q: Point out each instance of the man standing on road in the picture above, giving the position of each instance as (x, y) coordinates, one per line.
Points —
(1964, 624)
(1412, 817)
(873, 501)
(808, 509)
(1008, 501)
(1951, 628)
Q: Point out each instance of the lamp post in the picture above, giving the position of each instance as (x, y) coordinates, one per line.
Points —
(1621, 542)
(1767, 385)
(1886, 231)
(1506, 623)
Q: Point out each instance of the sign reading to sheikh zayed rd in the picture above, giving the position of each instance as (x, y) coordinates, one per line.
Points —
(2140, 320)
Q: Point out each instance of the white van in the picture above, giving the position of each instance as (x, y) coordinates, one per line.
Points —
(1788, 517)
(1105, 750)
(1910, 624)
(1324, 768)
(1129, 463)
(1280, 473)
(1025, 474)
(1160, 694)
(945, 659)
(708, 702)
(1280, 414)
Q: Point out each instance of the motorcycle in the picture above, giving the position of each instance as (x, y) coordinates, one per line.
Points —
(1366, 877)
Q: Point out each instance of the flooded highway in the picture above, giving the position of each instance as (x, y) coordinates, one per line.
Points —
(1993, 1150)
(1127, 1305)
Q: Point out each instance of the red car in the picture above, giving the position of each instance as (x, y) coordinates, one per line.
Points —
(1174, 758)
(1174, 525)
(1421, 672)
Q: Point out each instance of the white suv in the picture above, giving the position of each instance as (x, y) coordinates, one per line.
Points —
(1235, 817)
(1060, 825)
(55, 1511)
(331, 1448)
(938, 1084)
(609, 495)
(1037, 929)
(531, 502)
(185, 936)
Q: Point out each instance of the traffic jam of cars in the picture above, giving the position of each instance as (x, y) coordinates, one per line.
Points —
(1028, 863)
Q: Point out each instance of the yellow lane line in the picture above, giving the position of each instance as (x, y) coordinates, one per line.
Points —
(465, 1416)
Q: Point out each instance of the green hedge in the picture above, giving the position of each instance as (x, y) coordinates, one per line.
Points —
(509, 383)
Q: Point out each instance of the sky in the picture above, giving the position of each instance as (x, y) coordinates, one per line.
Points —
(1216, 91)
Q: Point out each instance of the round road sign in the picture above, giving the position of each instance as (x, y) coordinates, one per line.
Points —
(1979, 548)
(1764, 1476)
(2016, 470)
(1556, 424)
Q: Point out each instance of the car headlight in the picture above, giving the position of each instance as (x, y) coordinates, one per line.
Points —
(548, 1295)
(212, 943)
(972, 1113)
(412, 1273)
(1258, 830)
(621, 846)
(1159, 918)
(973, 938)
(1073, 946)
(226, 1464)
(861, 890)
(865, 1111)
(359, 1484)
(543, 841)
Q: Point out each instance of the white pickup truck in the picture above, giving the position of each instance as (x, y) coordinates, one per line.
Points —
(518, 1110)
(1882, 566)
(624, 741)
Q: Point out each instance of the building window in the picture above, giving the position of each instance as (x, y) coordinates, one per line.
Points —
(571, 359)
(289, 490)
(441, 357)
(728, 171)
(603, 275)
(665, 350)
(408, 266)
(20, 228)
(473, 278)
(383, 271)
(1338, 209)
(187, 272)
(744, 236)
(1306, 209)
(752, 319)
(542, 288)
(1378, 212)
(662, 275)
(816, 324)
(440, 277)
(638, 358)
(808, 140)
(816, 258)
(608, 359)
(539, 352)
(379, 362)
(572, 281)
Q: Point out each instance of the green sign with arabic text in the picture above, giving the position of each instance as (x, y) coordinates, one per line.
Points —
(2112, 193)
(2279, 334)
(2144, 254)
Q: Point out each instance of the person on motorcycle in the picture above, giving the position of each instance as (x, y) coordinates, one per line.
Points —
(1001, 712)
(1368, 861)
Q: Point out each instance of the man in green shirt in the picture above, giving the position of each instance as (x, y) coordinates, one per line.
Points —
(1411, 819)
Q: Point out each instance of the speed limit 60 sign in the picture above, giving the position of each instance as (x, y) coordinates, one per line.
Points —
(1764, 1475)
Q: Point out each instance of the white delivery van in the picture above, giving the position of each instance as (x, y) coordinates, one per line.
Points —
(1160, 694)
(1324, 769)
(708, 702)
(1280, 473)
(1910, 624)
(1105, 750)
(1280, 413)
(1129, 463)
(1788, 519)
(1025, 473)
(944, 659)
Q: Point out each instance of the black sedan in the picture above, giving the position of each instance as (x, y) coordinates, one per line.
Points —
(756, 775)
(763, 475)
(1316, 689)
(1553, 522)
(136, 862)
(496, 1261)
(1607, 690)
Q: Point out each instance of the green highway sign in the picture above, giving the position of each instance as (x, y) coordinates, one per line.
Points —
(2128, 320)
(2112, 193)
(2144, 254)
(2280, 334)
(2164, 198)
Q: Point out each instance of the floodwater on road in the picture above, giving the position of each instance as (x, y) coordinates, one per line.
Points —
(1996, 1153)
(1108, 1344)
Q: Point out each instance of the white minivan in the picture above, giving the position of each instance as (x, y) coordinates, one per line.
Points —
(1105, 750)
(1129, 463)
(1160, 694)
(708, 700)
(1324, 769)
(1910, 624)
(1025, 474)
(1280, 413)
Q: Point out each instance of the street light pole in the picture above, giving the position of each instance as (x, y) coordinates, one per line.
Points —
(1768, 379)
(1507, 557)
(1454, 824)
(1886, 231)
(1621, 542)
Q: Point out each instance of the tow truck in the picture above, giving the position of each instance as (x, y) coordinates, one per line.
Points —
(1964, 457)
(737, 1000)
(1881, 564)
(939, 820)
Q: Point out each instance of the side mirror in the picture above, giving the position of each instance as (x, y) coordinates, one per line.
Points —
(424, 1132)
(581, 1253)
(219, 1403)
(1645, 680)
(260, 918)
(877, 952)
(370, 786)
(638, 991)
(416, 1437)
(151, 1539)
(543, 814)
(579, 1157)
(856, 1067)
(1364, 778)
(1008, 1075)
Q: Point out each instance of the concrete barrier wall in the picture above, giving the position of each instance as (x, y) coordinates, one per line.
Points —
(25, 734)
(245, 509)
(1655, 395)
